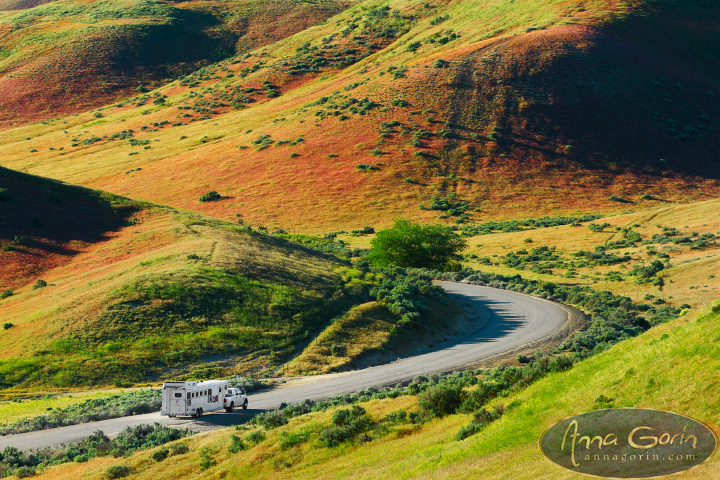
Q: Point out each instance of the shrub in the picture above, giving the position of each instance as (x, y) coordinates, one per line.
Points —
(118, 471)
(7, 326)
(7, 293)
(332, 437)
(40, 284)
(364, 231)
(271, 419)
(440, 400)
(179, 449)
(345, 417)
(366, 167)
(160, 455)
(25, 472)
(522, 359)
(236, 444)
(560, 364)
(440, 63)
(338, 350)
(256, 437)
(211, 196)
(439, 20)
(207, 461)
(348, 424)
(480, 419)
(414, 46)
(477, 398)
(289, 440)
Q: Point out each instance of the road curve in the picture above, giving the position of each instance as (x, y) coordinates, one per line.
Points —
(507, 321)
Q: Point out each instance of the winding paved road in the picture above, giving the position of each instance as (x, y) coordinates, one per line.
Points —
(506, 321)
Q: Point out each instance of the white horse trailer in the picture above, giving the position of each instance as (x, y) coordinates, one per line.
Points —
(181, 399)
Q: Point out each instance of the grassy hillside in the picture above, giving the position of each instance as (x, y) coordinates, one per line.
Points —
(65, 56)
(100, 290)
(518, 106)
(159, 292)
(672, 367)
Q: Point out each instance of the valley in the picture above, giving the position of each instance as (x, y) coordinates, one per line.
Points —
(194, 190)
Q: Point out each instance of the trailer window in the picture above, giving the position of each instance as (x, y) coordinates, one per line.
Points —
(189, 395)
(178, 395)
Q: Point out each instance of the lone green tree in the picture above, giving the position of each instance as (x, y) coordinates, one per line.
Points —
(411, 245)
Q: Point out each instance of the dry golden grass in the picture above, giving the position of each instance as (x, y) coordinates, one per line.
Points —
(363, 330)
(694, 276)
(313, 192)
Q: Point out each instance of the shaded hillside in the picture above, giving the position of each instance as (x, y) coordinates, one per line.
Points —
(458, 111)
(595, 97)
(62, 57)
(45, 223)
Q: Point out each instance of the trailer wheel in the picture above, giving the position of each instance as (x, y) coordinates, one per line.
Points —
(245, 405)
(198, 412)
(231, 407)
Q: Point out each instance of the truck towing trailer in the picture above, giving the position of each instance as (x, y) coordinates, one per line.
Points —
(182, 399)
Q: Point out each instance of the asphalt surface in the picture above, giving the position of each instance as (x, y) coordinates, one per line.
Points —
(506, 321)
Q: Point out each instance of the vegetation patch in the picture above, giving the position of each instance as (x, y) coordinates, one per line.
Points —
(92, 410)
(132, 439)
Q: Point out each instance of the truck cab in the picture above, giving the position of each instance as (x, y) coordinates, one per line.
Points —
(234, 397)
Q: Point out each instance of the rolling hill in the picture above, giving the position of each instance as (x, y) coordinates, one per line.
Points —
(100, 289)
(65, 56)
(511, 107)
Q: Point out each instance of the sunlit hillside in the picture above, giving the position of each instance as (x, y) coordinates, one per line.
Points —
(65, 56)
(390, 104)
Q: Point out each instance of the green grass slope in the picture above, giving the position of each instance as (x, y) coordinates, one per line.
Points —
(66, 56)
(671, 367)
(126, 291)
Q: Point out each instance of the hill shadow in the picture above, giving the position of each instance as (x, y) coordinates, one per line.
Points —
(640, 93)
(49, 213)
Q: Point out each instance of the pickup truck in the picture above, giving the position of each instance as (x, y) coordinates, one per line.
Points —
(234, 397)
